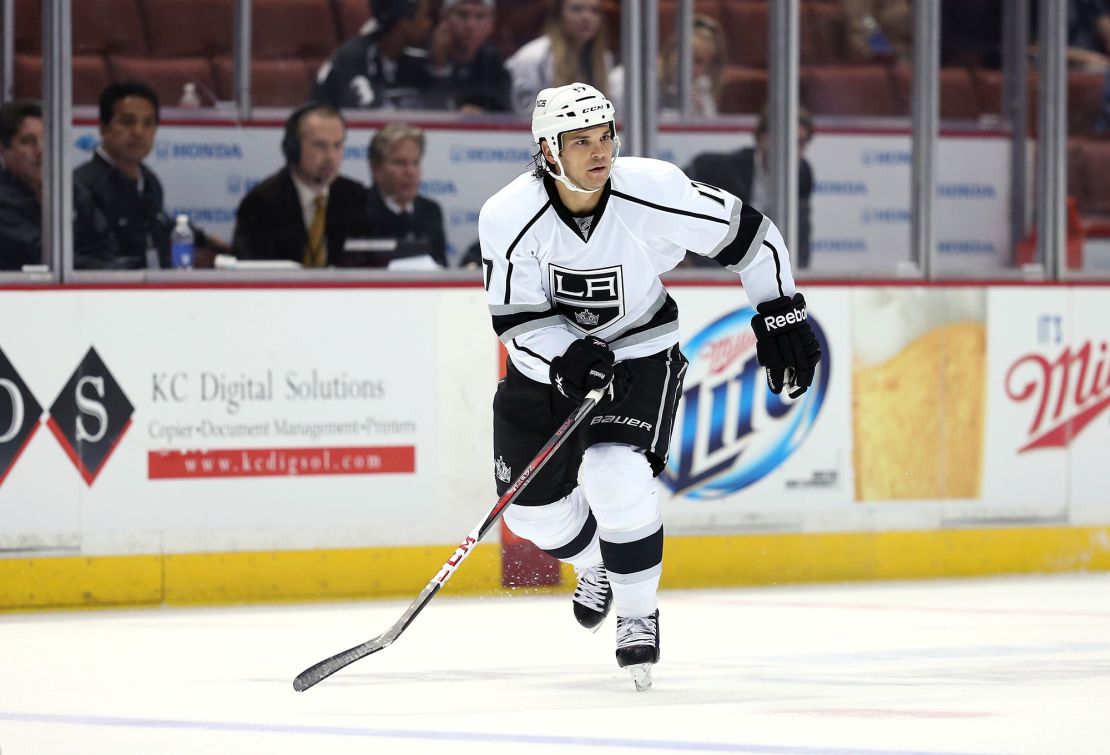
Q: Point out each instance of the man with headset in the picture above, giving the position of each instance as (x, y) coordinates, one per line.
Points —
(306, 211)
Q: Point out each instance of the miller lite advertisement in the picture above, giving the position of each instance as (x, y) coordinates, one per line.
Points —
(1050, 396)
(741, 455)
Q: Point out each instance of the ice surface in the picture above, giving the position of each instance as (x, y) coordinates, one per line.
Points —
(1011, 665)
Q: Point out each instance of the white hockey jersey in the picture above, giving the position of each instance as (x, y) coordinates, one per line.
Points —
(551, 279)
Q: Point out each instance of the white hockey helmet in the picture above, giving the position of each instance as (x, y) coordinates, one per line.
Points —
(570, 108)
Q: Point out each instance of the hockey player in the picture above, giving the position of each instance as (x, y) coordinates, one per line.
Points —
(572, 255)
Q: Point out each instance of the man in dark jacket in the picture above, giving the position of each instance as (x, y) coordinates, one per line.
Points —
(741, 174)
(395, 208)
(383, 66)
(306, 211)
(120, 221)
(468, 72)
(20, 184)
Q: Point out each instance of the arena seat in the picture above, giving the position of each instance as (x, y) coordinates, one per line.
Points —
(1084, 100)
(274, 83)
(350, 15)
(850, 91)
(746, 30)
(1092, 182)
(744, 90)
(958, 98)
(90, 76)
(293, 28)
(988, 88)
(108, 27)
(822, 34)
(28, 26)
(167, 76)
(183, 28)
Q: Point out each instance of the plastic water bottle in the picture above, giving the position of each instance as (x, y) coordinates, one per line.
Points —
(181, 244)
(189, 96)
(877, 41)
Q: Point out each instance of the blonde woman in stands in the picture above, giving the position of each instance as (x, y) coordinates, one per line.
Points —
(572, 48)
(708, 53)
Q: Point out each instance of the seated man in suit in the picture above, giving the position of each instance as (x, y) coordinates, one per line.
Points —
(740, 173)
(395, 208)
(306, 211)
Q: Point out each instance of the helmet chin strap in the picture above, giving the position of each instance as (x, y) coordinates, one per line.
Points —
(561, 176)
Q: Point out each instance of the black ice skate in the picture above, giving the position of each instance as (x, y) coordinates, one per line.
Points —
(638, 647)
(592, 597)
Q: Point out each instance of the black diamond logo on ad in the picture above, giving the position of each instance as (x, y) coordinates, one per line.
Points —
(90, 416)
(19, 416)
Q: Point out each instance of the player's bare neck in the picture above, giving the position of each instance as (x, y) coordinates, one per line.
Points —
(578, 203)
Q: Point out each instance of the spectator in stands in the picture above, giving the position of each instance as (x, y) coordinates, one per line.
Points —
(395, 208)
(746, 173)
(878, 30)
(708, 53)
(20, 184)
(572, 48)
(1088, 34)
(467, 70)
(971, 33)
(120, 222)
(306, 211)
(380, 68)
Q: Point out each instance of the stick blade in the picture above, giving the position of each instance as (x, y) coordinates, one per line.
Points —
(318, 672)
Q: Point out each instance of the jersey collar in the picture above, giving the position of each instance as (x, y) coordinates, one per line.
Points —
(565, 215)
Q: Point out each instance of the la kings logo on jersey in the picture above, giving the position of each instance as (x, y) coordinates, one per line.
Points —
(590, 299)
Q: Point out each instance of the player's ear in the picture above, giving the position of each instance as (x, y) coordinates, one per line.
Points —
(546, 149)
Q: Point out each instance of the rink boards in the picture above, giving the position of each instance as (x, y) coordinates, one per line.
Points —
(235, 444)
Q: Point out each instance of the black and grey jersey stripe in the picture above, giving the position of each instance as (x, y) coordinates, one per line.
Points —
(512, 320)
(661, 319)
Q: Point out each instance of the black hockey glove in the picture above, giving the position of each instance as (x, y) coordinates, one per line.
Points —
(585, 365)
(785, 344)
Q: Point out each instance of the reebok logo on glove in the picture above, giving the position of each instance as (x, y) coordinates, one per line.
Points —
(785, 344)
(790, 318)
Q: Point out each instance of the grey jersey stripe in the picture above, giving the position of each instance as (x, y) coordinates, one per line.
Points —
(757, 240)
(500, 310)
(528, 327)
(733, 229)
(646, 335)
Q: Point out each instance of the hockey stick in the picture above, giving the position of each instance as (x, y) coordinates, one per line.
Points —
(322, 670)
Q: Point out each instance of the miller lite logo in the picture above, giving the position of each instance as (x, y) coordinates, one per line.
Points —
(503, 471)
(732, 431)
(589, 299)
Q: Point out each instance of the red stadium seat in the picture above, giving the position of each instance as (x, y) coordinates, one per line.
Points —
(351, 15)
(1093, 180)
(183, 28)
(90, 76)
(293, 28)
(958, 98)
(28, 26)
(1084, 100)
(274, 83)
(744, 90)
(167, 76)
(822, 34)
(988, 87)
(746, 30)
(850, 91)
(108, 27)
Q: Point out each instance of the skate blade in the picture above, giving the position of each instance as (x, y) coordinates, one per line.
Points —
(641, 676)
